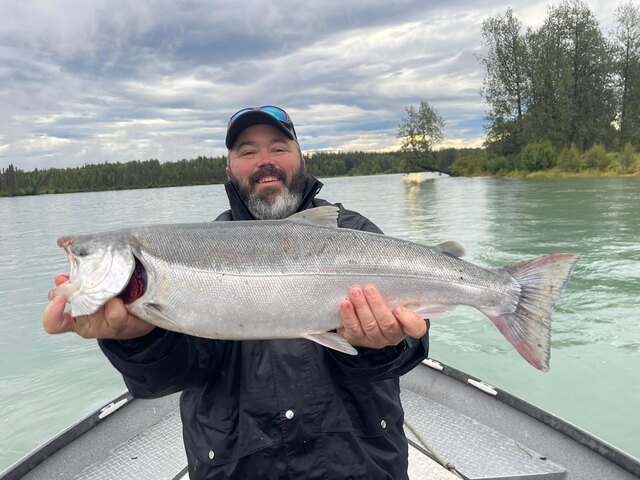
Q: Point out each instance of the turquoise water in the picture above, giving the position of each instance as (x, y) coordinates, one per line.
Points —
(48, 382)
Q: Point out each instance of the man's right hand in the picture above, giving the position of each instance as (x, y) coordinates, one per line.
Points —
(112, 321)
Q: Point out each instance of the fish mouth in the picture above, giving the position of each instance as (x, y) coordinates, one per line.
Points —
(137, 284)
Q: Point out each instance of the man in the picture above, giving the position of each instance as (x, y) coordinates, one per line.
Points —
(273, 408)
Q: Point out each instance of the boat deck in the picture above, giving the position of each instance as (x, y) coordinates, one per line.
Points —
(476, 434)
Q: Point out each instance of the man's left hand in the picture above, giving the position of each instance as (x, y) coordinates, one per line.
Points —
(369, 322)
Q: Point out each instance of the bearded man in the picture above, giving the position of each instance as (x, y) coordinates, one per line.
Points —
(273, 409)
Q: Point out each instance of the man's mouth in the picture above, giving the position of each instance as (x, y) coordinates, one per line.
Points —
(268, 179)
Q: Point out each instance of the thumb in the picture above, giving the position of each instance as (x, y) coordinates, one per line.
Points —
(412, 324)
(61, 278)
(54, 319)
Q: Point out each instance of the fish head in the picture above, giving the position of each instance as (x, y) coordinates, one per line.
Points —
(99, 269)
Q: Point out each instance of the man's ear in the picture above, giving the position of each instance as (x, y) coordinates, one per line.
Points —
(228, 172)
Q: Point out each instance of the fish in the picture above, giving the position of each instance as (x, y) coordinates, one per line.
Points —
(274, 279)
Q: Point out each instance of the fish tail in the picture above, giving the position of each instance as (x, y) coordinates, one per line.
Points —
(528, 327)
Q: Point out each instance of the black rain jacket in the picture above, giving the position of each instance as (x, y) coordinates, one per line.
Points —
(278, 409)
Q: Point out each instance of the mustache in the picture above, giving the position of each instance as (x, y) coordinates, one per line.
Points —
(270, 170)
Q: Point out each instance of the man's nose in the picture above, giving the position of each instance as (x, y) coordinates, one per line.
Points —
(265, 158)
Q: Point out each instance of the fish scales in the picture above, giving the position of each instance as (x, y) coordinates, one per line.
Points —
(307, 268)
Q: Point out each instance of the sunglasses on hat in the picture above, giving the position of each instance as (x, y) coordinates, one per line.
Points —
(247, 117)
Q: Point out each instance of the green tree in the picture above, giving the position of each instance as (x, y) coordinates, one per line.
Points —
(572, 81)
(627, 157)
(11, 180)
(506, 83)
(627, 53)
(538, 156)
(596, 157)
(569, 159)
(420, 130)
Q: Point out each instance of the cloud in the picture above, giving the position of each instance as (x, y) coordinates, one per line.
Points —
(112, 80)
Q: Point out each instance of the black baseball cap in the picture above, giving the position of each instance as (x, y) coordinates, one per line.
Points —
(267, 114)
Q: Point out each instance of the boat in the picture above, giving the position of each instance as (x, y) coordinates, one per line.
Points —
(419, 177)
(457, 426)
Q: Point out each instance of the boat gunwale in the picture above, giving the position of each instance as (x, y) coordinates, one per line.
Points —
(604, 449)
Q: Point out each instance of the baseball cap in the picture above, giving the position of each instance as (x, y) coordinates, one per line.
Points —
(268, 114)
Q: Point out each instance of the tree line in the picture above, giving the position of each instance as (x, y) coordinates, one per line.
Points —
(566, 82)
(200, 171)
(112, 176)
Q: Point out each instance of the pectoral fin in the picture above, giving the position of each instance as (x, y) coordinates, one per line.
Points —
(155, 313)
(333, 341)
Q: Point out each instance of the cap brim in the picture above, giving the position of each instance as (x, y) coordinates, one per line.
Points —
(249, 119)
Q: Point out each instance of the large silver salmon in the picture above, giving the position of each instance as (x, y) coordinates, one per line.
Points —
(285, 278)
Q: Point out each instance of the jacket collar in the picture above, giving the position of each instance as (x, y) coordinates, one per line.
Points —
(239, 210)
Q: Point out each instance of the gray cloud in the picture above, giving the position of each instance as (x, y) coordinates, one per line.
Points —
(111, 80)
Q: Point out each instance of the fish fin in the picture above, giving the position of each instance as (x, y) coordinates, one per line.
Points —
(451, 248)
(325, 216)
(528, 328)
(155, 311)
(333, 341)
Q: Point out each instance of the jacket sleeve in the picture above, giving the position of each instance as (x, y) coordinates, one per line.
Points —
(388, 362)
(379, 364)
(163, 362)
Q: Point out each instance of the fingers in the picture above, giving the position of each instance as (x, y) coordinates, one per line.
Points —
(111, 321)
(367, 319)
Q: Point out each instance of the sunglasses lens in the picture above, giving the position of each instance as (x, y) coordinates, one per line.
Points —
(276, 113)
(238, 114)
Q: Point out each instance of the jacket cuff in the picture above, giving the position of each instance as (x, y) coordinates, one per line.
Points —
(149, 348)
(388, 362)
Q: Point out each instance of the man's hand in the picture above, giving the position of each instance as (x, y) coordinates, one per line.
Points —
(368, 321)
(112, 321)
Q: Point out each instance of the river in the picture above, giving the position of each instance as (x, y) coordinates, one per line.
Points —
(48, 382)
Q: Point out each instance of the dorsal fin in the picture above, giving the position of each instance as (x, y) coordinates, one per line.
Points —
(326, 216)
(452, 248)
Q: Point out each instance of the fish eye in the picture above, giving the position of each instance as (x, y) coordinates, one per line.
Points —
(81, 252)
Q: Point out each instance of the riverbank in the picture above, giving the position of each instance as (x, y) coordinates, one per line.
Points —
(542, 159)
(556, 173)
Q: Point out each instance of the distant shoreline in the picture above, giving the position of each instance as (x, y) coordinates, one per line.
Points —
(538, 160)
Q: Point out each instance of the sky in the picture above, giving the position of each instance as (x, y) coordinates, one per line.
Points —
(94, 81)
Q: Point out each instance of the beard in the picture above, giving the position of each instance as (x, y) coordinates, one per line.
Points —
(271, 203)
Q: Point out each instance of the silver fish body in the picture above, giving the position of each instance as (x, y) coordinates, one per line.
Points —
(285, 279)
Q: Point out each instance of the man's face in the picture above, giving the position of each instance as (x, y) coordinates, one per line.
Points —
(266, 168)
